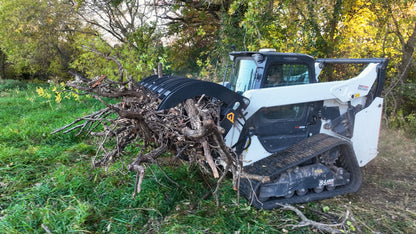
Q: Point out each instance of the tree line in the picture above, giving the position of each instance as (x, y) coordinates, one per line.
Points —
(45, 39)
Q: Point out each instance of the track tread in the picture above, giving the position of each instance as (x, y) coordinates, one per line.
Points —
(299, 153)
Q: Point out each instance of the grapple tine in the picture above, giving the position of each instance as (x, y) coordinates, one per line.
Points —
(171, 84)
(148, 81)
(172, 90)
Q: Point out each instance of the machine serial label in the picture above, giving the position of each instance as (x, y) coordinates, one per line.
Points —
(363, 87)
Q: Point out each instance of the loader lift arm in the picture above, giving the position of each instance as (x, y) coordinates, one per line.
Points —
(378, 85)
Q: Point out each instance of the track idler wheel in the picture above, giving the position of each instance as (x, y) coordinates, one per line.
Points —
(318, 189)
(330, 188)
(301, 192)
(290, 194)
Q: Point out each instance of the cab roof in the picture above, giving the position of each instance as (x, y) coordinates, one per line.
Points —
(289, 57)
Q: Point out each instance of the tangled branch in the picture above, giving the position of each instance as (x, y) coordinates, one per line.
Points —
(189, 129)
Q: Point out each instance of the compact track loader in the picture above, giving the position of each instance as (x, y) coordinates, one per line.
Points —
(309, 137)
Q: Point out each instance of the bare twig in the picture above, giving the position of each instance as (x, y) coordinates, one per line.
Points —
(46, 228)
(112, 58)
(209, 159)
(330, 228)
(140, 170)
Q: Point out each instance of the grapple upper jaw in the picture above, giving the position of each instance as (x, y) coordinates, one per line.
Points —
(172, 90)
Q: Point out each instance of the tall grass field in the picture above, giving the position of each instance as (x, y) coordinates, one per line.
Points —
(48, 184)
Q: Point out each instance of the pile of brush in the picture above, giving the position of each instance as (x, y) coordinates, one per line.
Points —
(187, 131)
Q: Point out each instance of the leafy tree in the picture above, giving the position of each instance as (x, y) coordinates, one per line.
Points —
(127, 30)
(396, 23)
(288, 26)
(36, 36)
(352, 28)
(194, 37)
(194, 34)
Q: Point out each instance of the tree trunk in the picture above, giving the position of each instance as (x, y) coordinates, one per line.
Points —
(2, 65)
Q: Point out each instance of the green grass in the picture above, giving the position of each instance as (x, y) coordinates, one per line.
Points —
(47, 181)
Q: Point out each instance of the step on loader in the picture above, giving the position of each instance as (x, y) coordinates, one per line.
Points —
(308, 136)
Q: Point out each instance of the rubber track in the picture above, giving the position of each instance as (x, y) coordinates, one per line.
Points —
(297, 154)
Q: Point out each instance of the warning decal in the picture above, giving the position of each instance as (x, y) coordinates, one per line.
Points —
(230, 117)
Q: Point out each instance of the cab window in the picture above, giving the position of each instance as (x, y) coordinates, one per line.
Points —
(286, 74)
(242, 78)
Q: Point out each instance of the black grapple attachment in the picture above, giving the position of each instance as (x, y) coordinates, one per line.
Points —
(172, 90)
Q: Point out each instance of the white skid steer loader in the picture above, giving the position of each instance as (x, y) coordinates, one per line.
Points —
(309, 137)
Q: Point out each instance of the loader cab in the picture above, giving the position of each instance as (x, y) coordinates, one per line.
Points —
(277, 127)
(267, 69)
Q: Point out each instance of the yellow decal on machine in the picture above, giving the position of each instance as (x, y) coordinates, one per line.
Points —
(318, 171)
(230, 117)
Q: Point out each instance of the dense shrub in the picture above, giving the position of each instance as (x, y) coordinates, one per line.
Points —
(12, 84)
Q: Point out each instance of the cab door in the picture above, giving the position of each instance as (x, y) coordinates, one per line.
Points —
(279, 127)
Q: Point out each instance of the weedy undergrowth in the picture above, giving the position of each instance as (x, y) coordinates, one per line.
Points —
(47, 183)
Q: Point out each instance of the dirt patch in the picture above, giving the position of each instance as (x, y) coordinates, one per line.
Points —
(391, 177)
(386, 201)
